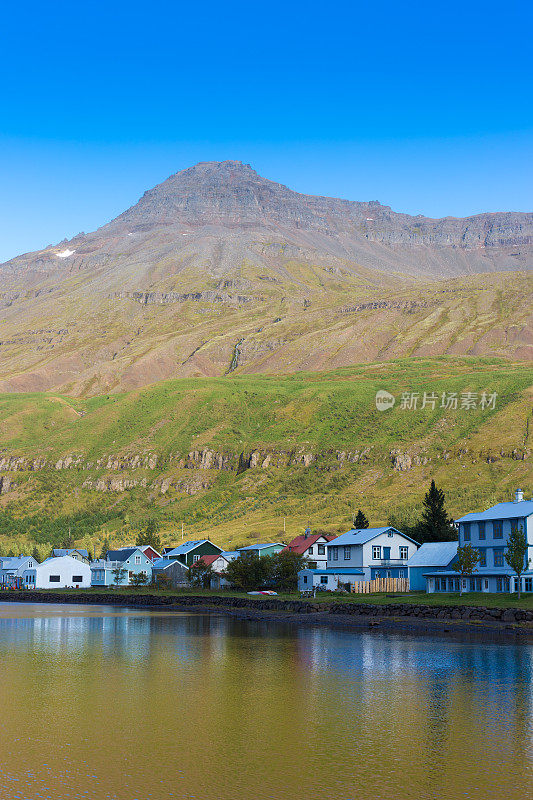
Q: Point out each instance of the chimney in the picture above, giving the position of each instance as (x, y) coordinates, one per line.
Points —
(518, 496)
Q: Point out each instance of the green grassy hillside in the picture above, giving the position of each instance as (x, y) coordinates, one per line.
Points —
(237, 458)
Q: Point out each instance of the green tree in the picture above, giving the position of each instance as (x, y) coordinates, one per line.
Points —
(149, 535)
(466, 564)
(249, 572)
(35, 554)
(360, 521)
(285, 568)
(138, 579)
(435, 525)
(105, 548)
(119, 573)
(200, 574)
(516, 553)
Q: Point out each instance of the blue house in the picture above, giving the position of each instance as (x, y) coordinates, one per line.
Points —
(132, 560)
(488, 531)
(435, 559)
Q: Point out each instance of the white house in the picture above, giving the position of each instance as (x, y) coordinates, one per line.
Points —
(63, 572)
(312, 546)
(361, 555)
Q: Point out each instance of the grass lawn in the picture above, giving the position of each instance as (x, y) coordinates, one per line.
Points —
(487, 600)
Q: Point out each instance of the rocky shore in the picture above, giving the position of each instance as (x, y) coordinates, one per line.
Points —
(395, 616)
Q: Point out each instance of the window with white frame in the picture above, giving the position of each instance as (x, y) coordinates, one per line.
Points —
(376, 551)
(323, 579)
(347, 553)
(137, 559)
(334, 553)
(321, 549)
(404, 551)
(310, 550)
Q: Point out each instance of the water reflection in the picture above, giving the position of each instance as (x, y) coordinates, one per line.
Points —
(106, 703)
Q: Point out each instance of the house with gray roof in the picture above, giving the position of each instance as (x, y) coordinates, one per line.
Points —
(12, 570)
(189, 552)
(172, 570)
(74, 552)
(361, 555)
(261, 550)
(488, 531)
(432, 559)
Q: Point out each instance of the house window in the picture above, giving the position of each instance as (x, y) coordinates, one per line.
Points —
(498, 557)
(137, 559)
(376, 552)
(77, 579)
(30, 564)
(390, 533)
(481, 529)
(499, 584)
(334, 553)
(195, 559)
(497, 529)
(323, 579)
(310, 550)
(482, 557)
(321, 549)
(404, 552)
(466, 531)
(305, 578)
(401, 573)
(54, 578)
(527, 584)
(347, 553)
(486, 584)
(516, 524)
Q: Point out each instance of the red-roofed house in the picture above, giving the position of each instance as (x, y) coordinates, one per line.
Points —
(312, 546)
(218, 564)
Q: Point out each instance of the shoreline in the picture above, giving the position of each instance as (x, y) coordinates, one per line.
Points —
(405, 618)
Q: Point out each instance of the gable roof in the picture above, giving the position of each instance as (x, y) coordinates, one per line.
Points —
(14, 562)
(364, 535)
(260, 546)
(501, 511)
(187, 547)
(59, 551)
(301, 543)
(208, 560)
(434, 554)
(121, 555)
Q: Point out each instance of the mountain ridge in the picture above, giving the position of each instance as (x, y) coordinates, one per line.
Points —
(218, 269)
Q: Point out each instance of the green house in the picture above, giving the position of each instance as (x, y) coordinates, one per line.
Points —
(268, 549)
(189, 552)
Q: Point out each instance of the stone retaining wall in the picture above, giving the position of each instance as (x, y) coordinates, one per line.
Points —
(274, 604)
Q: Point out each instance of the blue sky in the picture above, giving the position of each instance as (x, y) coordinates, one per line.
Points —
(426, 107)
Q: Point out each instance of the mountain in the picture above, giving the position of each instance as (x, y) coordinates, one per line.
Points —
(219, 270)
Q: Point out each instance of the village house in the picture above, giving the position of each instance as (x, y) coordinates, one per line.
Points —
(218, 564)
(130, 559)
(488, 531)
(261, 550)
(189, 552)
(174, 571)
(12, 570)
(62, 572)
(147, 549)
(434, 559)
(361, 555)
(79, 554)
(312, 546)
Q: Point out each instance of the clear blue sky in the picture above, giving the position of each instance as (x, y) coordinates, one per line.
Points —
(424, 106)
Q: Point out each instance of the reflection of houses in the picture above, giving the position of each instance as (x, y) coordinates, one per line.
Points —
(176, 572)
(12, 570)
(361, 555)
(312, 546)
(488, 531)
(189, 552)
(77, 553)
(63, 572)
(436, 559)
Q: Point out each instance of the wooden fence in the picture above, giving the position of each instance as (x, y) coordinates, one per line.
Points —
(381, 585)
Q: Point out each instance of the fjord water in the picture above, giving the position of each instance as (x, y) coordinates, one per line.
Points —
(112, 703)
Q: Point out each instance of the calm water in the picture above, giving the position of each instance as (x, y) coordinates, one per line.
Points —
(105, 703)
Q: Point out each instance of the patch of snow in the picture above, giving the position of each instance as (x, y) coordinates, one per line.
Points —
(65, 253)
(370, 219)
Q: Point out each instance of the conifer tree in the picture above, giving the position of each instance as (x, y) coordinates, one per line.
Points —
(435, 525)
(360, 521)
